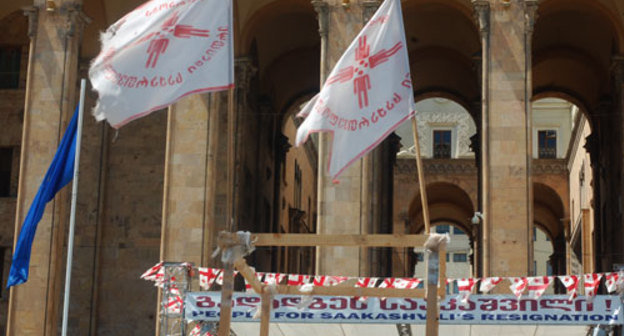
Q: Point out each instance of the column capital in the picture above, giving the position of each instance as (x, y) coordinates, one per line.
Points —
(617, 69)
(482, 15)
(368, 8)
(76, 19)
(245, 70)
(530, 15)
(322, 9)
(32, 12)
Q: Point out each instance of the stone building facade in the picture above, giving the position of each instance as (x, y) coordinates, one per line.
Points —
(159, 188)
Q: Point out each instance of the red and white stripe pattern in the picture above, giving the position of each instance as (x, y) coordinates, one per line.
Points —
(200, 329)
(207, 277)
(612, 281)
(518, 285)
(591, 284)
(174, 302)
(366, 282)
(298, 279)
(273, 278)
(465, 287)
(487, 284)
(538, 285)
(571, 284)
(152, 273)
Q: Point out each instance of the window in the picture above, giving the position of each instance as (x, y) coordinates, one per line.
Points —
(447, 257)
(6, 161)
(420, 256)
(443, 229)
(460, 257)
(10, 58)
(547, 144)
(549, 269)
(442, 144)
(458, 231)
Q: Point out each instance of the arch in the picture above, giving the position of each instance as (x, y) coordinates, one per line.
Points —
(431, 93)
(547, 7)
(12, 7)
(556, 92)
(573, 46)
(548, 209)
(271, 12)
(14, 29)
(447, 202)
(442, 40)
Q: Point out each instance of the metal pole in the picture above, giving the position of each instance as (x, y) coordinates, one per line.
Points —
(72, 216)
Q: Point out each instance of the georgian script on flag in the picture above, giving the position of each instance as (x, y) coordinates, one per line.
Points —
(159, 53)
(367, 95)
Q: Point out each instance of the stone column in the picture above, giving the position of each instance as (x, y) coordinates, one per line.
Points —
(506, 32)
(186, 212)
(341, 207)
(34, 307)
(245, 71)
(617, 67)
(196, 137)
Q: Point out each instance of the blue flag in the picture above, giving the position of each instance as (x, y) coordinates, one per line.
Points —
(59, 174)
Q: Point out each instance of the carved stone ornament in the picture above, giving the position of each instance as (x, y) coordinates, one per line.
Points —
(32, 12)
(549, 167)
(245, 71)
(369, 8)
(322, 9)
(530, 16)
(437, 167)
(76, 19)
(440, 118)
(482, 16)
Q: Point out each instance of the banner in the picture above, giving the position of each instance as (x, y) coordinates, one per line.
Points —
(478, 310)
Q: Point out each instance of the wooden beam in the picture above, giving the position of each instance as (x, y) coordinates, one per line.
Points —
(355, 291)
(370, 240)
(248, 274)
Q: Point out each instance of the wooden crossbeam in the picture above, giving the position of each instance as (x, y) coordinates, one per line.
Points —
(369, 240)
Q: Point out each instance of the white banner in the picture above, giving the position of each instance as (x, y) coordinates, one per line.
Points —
(479, 309)
(160, 52)
(367, 95)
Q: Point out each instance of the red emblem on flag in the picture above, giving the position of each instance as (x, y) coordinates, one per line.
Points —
(159, 40)
(364, 62)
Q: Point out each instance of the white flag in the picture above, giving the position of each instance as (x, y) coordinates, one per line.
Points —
(538, 285)
(487, 284)
(368, 94)
(159, 53)
(571, 284)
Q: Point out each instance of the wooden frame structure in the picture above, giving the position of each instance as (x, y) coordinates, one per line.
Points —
(231, 240)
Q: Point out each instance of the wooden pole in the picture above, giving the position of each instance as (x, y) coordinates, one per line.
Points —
(265, 317)
(421, 177)
(226, 300)
(230, 160)
(433, 285)
(442, 272)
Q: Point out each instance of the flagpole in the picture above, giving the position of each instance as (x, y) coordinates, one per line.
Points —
(72, 216)
(421, 177)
